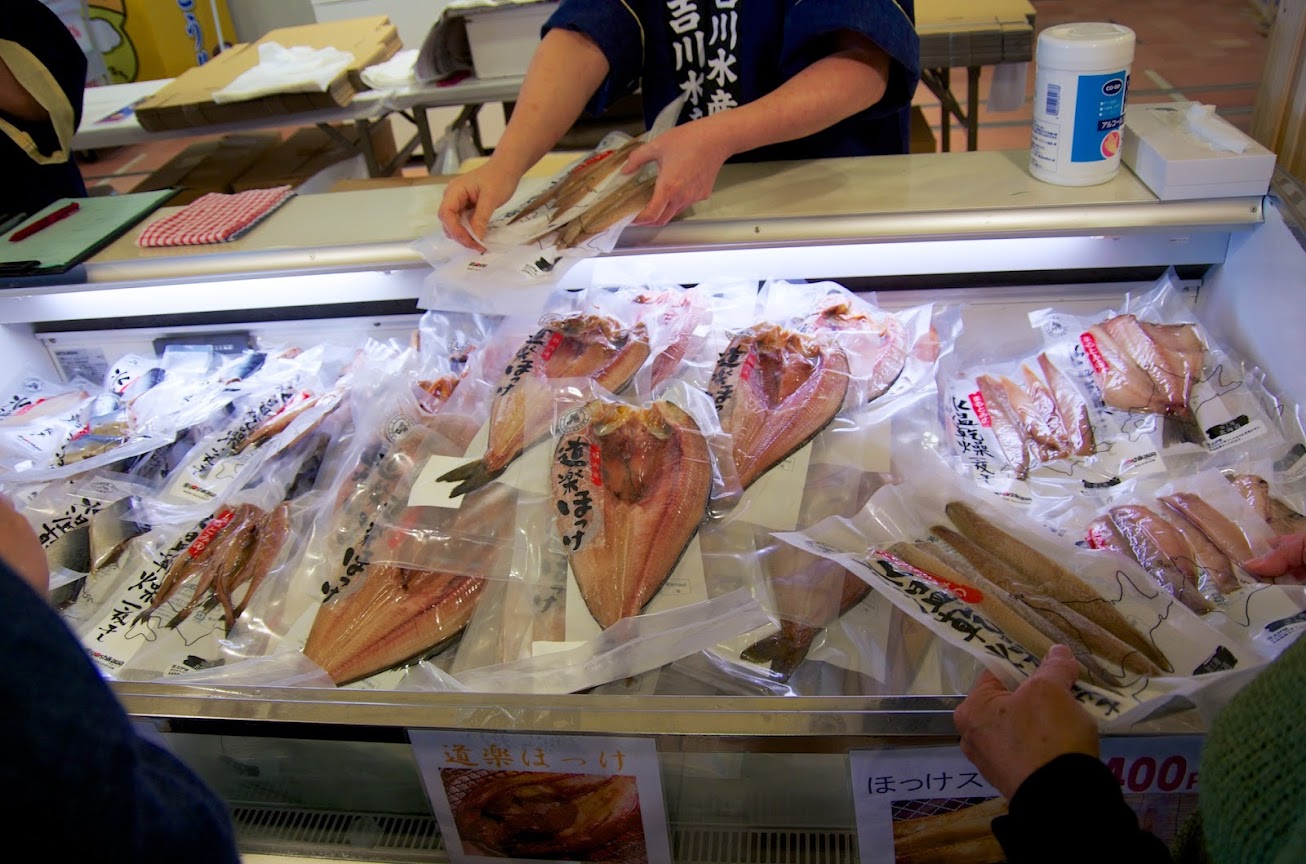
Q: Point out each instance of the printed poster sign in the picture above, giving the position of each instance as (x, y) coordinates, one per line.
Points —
(505, 797)
(917, 802)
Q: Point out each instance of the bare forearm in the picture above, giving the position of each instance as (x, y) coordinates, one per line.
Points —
(564, 73)
(833, 88)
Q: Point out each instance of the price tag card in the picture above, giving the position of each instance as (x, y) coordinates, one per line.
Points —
(916, 801)
(522, 797)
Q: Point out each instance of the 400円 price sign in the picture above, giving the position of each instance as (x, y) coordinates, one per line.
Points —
(931, 803)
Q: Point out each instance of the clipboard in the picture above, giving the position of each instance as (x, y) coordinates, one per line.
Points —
(67, 243)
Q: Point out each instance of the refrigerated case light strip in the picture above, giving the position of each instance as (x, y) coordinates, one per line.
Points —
(413, 838)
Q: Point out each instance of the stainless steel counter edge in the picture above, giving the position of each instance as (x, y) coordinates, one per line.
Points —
(699, 235)
(716, 716)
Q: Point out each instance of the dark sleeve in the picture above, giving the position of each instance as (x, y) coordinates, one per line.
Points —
(1071, 810)
(811, 25)
(72, 759)
(36, 28)
(614, 27)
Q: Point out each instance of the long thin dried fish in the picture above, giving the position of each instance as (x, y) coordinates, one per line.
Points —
(1042, 573)
(624, 200)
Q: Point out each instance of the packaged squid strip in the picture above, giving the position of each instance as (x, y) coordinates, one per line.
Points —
(979, 577)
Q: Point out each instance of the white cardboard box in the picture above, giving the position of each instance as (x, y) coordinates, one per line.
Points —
(1176, 163)
(503, 38)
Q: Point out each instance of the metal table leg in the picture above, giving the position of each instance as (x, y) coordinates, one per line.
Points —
(972, 107)
(945, 111)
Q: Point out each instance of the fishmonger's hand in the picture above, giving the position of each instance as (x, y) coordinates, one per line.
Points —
(480, 191)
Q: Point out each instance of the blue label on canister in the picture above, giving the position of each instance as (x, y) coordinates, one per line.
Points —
(1099, 116)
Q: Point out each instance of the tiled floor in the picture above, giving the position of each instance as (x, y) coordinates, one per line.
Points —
(1210, 51)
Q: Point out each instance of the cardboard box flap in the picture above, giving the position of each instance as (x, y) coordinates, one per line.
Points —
(188, 100)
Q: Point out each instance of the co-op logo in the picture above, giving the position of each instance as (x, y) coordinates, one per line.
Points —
(1112, 87)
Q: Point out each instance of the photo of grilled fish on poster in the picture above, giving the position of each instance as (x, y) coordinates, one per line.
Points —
(515, 797)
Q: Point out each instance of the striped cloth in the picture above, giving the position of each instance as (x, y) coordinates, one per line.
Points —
(215, 218)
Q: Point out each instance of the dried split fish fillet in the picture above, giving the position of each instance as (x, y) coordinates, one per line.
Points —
(398, 614)
(878, 343)
(1071, 408)
(651, 487)
(1145, 367)
(774, 390)
(583, 345)
(802, 597)
(1162, 551)
(1281, 518)
(1005, 424)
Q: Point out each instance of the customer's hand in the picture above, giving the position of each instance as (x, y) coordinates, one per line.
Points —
(21, 550)
(1009, 735)
(481, 190)
(1287, 559)
(689, 159)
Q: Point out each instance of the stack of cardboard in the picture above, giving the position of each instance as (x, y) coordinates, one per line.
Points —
(188, 101)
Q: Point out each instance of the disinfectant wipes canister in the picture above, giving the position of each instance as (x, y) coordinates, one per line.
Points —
(1079, 102)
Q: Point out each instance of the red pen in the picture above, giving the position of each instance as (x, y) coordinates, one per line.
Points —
(45, 222)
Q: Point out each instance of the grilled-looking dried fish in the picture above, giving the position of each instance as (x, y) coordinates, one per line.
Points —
(192, 560)
(577, 346)
(397, 614)
(296, 406)
(621, 201)
(788, 648)
(1071, 408)
(1222, 531)
(1162, 551)
(228, 554)
(681, 315)
(543, 815)
(1281, 518)
(938, 833)
(582, 178)
(774, 390)
(655, 475)
(1049, 577)
(878, 345)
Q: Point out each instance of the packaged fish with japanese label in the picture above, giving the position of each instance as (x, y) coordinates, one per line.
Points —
(194, 581)
(85, 522)
(1193, 536)
(979, 576)
(609, 572)
(1130, 392)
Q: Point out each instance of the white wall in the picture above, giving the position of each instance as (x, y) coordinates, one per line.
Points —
(253, 18)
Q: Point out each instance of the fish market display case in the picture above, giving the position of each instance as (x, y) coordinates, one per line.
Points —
(746, 778)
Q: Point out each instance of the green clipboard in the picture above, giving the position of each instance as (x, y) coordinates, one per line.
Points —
(70, 241)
